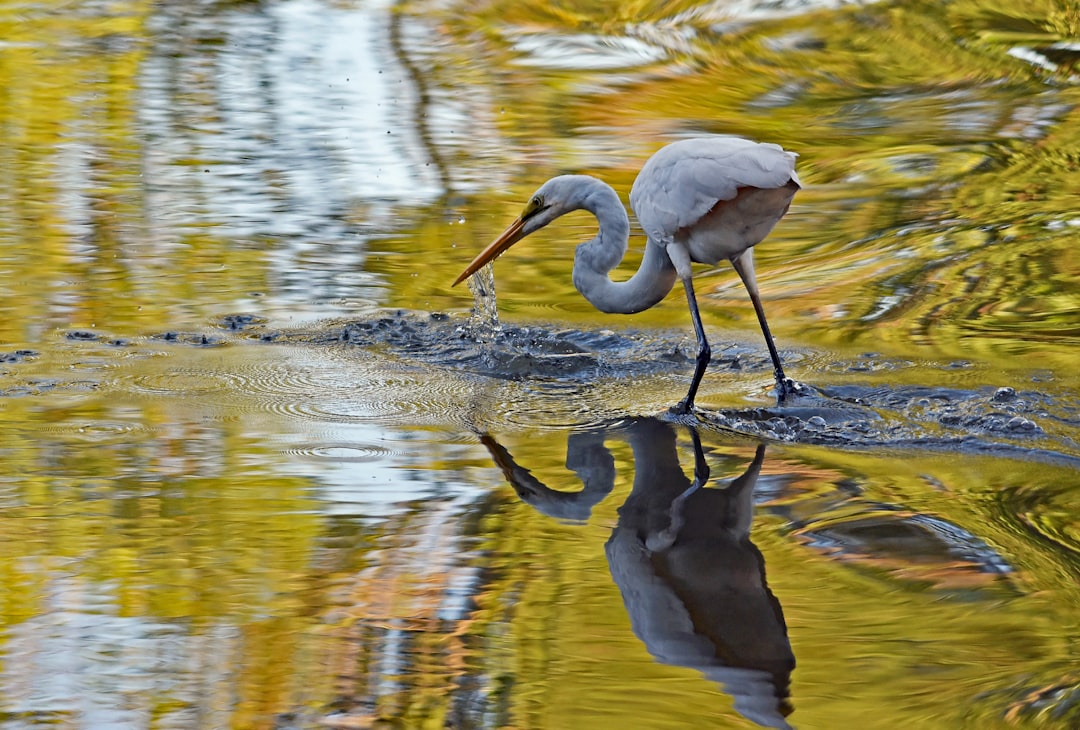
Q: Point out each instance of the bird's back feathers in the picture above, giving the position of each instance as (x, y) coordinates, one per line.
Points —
(683, 181)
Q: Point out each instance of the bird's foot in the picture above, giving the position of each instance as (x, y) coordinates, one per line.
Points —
(787, 388)
(682, 408)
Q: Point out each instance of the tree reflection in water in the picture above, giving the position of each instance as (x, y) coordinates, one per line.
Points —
(692, 581)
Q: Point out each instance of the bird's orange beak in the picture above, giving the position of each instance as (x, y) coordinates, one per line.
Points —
(505, 240)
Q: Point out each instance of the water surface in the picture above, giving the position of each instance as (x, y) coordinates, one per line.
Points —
(262, 470)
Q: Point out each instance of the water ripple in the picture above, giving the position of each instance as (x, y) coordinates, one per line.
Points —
(97, 431)
(183, 381)
(341, 452)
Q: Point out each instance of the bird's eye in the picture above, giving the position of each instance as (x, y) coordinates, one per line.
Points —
(534, 206)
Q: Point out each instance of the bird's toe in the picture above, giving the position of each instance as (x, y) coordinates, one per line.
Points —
(788, 388)
(681, 408)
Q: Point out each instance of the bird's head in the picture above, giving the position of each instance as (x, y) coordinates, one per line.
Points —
(556, 197)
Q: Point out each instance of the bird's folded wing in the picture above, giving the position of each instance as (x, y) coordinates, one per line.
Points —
(684, 181)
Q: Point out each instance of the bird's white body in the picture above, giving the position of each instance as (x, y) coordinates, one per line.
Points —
(699, 200)
(716, 195)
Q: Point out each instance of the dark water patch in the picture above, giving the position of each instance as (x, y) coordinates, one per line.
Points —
(88, 336)
(999, 420)
(18, 356)
(521, 352)
(240, 322)
(47, 386)
(83, 336)
(197, 339)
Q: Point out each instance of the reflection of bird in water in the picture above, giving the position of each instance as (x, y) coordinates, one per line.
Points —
(699, 200)
(692, 582)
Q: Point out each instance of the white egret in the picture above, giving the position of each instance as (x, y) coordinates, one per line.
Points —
(699, 200)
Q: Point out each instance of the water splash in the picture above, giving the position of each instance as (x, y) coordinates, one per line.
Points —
(484, 322)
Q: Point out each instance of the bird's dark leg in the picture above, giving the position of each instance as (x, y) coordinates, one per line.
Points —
(744, 265)
(704, 354)
(680, 259)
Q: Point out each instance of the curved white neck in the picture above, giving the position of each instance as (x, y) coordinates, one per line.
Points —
(594, 259)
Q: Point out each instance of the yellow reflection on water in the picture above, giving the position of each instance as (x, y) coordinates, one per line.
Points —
(939, 168)
(169, 556)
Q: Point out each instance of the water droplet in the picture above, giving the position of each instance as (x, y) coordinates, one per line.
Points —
(484, 322)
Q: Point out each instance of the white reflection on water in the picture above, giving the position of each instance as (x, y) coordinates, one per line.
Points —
(396, 482)
(293, 130)
(651, 41)
(584, 51)
(310, 112)
(85, 661)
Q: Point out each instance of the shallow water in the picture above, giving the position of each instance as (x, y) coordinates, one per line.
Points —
(264, 467)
